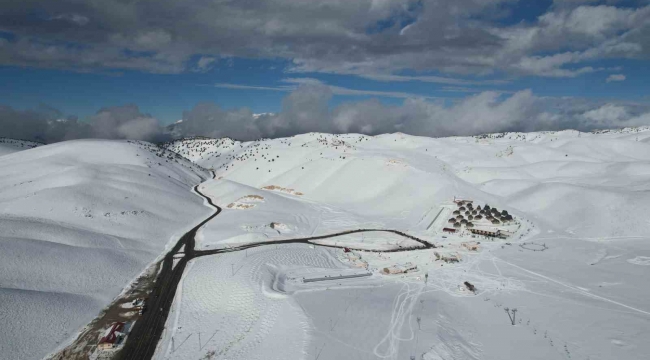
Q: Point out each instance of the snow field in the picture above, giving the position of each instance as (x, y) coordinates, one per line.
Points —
(575, 269)
(83, 218)
(232, 300)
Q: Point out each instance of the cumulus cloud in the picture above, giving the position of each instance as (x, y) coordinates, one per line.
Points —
(124, 122)
(607, 115)
(374, 39)
(615, 77)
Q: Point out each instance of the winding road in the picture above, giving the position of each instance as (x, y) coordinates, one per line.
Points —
(146, 332)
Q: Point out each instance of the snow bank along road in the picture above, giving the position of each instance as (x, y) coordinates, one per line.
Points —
(141, 343)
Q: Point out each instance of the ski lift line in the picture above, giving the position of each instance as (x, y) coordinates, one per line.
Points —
(436, 218)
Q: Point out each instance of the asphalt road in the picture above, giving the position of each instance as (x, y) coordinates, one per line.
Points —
(147, 330)
(141, 342)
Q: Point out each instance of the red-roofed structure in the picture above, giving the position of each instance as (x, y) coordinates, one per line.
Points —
(112, 336)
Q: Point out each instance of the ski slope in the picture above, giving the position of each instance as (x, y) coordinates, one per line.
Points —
(575, 268)
(80, 220)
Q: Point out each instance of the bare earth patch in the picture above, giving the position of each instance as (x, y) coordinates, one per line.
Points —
(246, 202)
(282, 189)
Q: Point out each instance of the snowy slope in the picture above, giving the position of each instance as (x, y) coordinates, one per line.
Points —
(80, 220)
(8, 146)
(576, 268)
(396, 178)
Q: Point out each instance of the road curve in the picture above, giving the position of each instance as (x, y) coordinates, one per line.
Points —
(307, 240)
(146, 332)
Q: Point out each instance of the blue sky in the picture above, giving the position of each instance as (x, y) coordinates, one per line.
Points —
(325, 65)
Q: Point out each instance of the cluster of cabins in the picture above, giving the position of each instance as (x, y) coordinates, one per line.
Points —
(467, 214)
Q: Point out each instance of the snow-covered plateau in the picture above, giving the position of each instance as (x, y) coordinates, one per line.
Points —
(503, 246)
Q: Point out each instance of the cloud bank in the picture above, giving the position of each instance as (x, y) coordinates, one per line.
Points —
(308, 109)
(48, 125)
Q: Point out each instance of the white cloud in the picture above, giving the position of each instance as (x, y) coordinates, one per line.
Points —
(254, 87)
(73, 18)
(336, 90)
(615, 77)
(606, 115)
(205, 63)
(593, 21)
(432, 79)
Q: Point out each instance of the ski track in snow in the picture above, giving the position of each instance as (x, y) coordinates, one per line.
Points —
(402, 309)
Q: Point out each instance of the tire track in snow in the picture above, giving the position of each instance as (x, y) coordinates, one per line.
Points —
(576, 289)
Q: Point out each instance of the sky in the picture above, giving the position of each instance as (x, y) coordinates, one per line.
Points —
(128, 69)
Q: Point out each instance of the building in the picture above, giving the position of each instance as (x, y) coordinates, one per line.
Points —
(472, 246)
(449, 230)
(491, 232)
(505, 234)
(399, 269)
(461, 200)
(112, 336)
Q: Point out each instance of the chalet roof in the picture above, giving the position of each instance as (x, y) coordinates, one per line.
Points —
(111, 334)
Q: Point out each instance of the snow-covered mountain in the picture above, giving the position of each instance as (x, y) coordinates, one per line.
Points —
(80, 220)
(575, 267)
(394, 174)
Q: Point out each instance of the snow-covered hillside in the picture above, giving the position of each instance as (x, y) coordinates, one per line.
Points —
(574, 264)
(396, 178)
(80, 220)
(8, 146)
